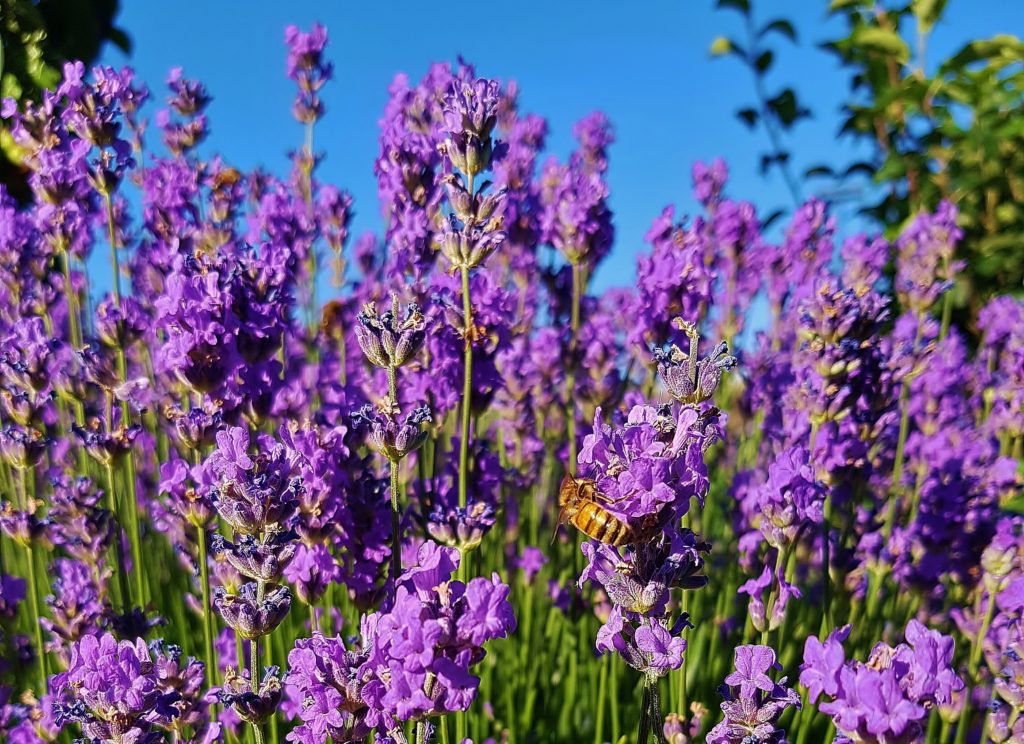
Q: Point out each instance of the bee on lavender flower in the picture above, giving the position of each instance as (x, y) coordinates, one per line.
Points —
(581, 505)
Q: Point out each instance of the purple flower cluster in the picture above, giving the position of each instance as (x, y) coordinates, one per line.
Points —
(576, 218)
(639, 626)
(113, 690)
(886, 698)
(652, 463)
(414, 659)
(308, 68)
(208, 441)
(753, 700)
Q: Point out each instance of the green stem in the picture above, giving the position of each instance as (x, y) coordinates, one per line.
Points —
(780, 561)
(312, 266)
(204, 578)
(134, 530)
(396, 514)
(683, 703)
(616, 721)
(254, 662)
(977, 648)
(467, 389)
(112, 235)
(570, 373)
(602, 696)
(134, 533)
(897, 466)
(122, 578)
(396, 530)
(901, 442)
(804, 719)
(37, 628)
(826, 567)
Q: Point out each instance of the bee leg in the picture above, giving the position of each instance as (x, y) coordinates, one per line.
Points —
(601, 497)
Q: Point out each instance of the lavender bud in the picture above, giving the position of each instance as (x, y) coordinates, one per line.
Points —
(253, 706)
(250, 617)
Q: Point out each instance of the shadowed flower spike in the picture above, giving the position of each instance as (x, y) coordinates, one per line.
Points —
(388, 341)
(254, 705)
(462, 528)
(253, 491)
(690, 380)
(469, 247)
(390, 438)
(470, 115)
(250, 616)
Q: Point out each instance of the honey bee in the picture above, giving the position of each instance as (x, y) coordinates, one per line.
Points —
(225, 178)
(580, 505)
(331, 318)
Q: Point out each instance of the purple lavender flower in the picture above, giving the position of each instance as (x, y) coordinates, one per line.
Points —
(886, 698)
(181, 682)
(470, 115)
(390, 438)
(925, 267)
(250, 615)
(308, 68)
(253, 491)
(654, 462)
(188, 101)
(76, 605)
(791, 500)
(254, 704)
(324, 676)
(752, 711)
(576, 218)
(709, 180)
(462, 528)
(111, 689)
(690, 380)
(413, 661)
(388, 341)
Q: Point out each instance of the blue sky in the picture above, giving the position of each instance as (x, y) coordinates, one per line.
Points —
(645, 63)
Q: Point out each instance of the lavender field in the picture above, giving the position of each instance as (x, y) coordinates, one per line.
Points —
(769, 493)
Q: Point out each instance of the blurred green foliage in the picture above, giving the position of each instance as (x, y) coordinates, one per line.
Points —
(953, 129)
(36, 38)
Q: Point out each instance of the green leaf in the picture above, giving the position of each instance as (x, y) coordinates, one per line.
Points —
(786, 107)
(927, 13)
(864, 168)
(820, 170)
(773, 217)
(764, 61)
(749, 116)
(782, 26)
(1005, 46)
(881, 40)
(121, 40)
(740, 6)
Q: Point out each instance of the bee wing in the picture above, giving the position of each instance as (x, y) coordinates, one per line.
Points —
(568, 490)
(558, 523)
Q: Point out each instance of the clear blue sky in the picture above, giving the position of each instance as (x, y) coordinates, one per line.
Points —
(644, 62)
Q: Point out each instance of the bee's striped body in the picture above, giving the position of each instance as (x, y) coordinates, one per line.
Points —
(580, 507)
